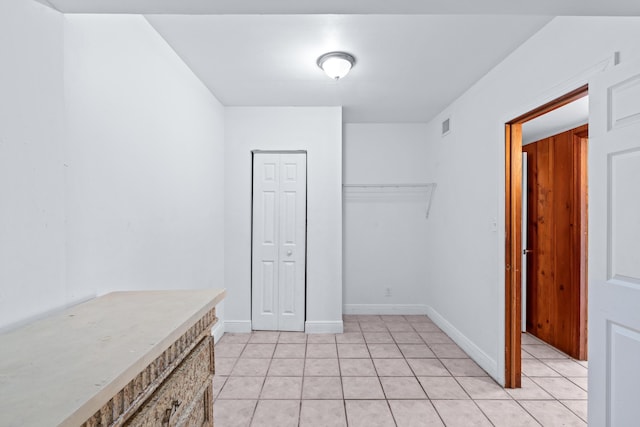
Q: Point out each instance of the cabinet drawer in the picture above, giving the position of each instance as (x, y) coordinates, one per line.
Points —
(166, 406)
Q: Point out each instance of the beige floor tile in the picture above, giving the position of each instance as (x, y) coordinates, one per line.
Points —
(258, 351)
(322, 388)
(290, 351)
(218, 382)
(543, 351)
(322, 413)
(322, 368)
(402, 388)
(567, 367)
(460, 413)
(233, 413)
(428, 368)
(281, 413)
(535, 368)
(224, 365)
(281, 388)
(373, 327)
(417, 318)
(350, 338)
(229, 338)
(392, 368)
(578, 407)
(552, 413)
(241, 388)
(528, 391)
(292, 338)
(369, 318)
(286, 367)
(251, 367)
(416, 351)
(482, 388)
(393, 318)
(415, 413)
(506, 413)
(378, 337)
(228, 350)
(448, 351)
(351, 327)
(357, 368)
(369, 413)
(426, 327)
(561, 388)
(463, 368)
(400, 327)
(406, 338)
(362, 388)
(442, 388)
(353, 351)
(321, 351)
(435, 338)
(381, 351)
(582, 382)
(530, 339)
(525, 355)
(321, 338)
(264, 337)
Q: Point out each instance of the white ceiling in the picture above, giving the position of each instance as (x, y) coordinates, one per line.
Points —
(409, 67)
(557, 121)
(439, 7)
(414, 57)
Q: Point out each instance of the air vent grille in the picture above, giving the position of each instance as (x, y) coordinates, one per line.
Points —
(446, 127)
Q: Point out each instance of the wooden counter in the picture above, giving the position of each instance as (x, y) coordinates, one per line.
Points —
(126, 358)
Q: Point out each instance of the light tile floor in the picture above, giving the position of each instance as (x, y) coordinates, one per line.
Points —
(387, 371)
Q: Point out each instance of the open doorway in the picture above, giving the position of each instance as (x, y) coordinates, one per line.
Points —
(515, 251)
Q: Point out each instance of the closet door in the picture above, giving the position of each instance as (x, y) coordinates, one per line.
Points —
(279, 241)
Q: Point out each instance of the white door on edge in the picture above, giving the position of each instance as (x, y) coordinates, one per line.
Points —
(614, 247)
(279, 241)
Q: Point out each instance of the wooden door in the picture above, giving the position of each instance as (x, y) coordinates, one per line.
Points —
(279, 241)
(614, 247)
(556, 236)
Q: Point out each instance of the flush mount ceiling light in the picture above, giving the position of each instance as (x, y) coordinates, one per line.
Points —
(336, 64)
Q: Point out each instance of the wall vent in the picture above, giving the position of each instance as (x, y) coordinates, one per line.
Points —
(446, 127)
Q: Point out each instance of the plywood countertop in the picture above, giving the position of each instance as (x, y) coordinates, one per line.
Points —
(60, 370)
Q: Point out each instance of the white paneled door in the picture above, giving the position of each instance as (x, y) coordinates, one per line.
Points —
(614, 247)
(279, 241)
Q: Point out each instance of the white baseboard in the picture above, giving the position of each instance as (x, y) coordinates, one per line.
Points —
(384, 309)
(237, 326)
(217, 331)
(480, 357)
(323, 327)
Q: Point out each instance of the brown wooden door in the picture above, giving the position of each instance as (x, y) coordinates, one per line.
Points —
(557, 240)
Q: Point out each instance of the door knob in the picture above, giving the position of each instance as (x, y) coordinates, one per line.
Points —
(527, 251)
(289, 253)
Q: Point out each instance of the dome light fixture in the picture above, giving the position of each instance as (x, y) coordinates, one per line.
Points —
(336, 64)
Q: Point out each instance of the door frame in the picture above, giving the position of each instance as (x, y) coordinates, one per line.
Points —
(513, 233)
(306, 228)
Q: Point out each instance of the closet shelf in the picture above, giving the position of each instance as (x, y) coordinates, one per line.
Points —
(372, 192)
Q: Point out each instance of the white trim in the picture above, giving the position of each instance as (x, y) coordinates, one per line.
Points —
(384, 309)
(323, 327)
(237, 326)
(217, 331)
(480, 357)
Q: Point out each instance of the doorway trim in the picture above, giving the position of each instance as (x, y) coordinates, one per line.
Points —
(513, 232)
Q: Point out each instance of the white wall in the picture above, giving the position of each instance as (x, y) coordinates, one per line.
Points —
(385, 233)
(145, 181)
(465, 262)
(318, 130)
(32, 250)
